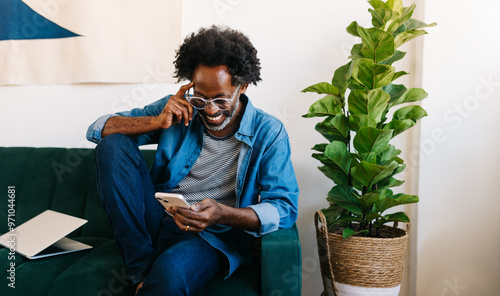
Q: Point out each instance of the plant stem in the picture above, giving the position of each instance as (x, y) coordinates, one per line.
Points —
(348, 144)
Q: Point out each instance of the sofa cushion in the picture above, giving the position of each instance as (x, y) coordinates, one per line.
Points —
(244, 282)
(98, 271)
(53, 178)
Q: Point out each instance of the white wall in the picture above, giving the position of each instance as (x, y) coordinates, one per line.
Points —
(301, 43)
(458, 236)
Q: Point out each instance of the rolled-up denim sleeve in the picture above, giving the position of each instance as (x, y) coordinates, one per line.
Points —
(269, 218)
(94, 132)
(95, 129)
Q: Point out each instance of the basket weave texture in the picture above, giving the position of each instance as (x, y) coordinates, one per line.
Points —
(361, 261)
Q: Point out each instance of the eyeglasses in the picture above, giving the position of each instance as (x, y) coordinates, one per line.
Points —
(220, 103)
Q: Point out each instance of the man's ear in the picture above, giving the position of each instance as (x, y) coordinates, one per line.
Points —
(243, 88)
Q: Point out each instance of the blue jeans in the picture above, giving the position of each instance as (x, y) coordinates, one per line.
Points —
(168, 260)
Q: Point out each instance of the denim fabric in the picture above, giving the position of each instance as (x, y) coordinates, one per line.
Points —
(168, 260)
(265, 179)
(127, 192)
(185, 264)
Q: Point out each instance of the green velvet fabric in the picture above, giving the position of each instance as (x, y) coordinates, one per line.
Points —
(64, 180)
(244, 282)
(282, 246)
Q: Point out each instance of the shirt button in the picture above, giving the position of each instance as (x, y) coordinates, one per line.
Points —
(186, 166)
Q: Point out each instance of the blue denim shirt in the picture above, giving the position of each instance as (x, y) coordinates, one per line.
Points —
(265, 180)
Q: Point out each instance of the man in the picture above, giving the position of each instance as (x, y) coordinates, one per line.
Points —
(230, 160)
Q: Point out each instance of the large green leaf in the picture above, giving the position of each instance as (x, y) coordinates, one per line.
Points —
(391, 182)
(357, 121)
(334, 128)
(387, 203)
(330, 169)
(338, 153)
(385, 193)
(401, 166)
(370, 157)
(332, 213)
(325, 160)
(341, 77)
(369, 198)
(395, 91)
(399, 126)
(413, 113)
(407, 36)
(368, 174)
(407, 13)
(409, 96)
(389, 154)
(378, 45)
(398, 217)
(412, 24)
(385, 19)
(327, 106)
(369, 139)
(356, 52)
(344, 197)
(341, 123)
(320, 147)
(381, 16)
(372, 103)
(334, 173)
(368, 75)
(378, 4)
(353, 29)
(398, 55)
(347, 217)
(399, 74)
(372, 216)
(322, 88)
(348, 232)
(396, 5)
(391, 26)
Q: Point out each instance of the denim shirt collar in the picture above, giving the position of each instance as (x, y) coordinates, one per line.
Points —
(246, 131)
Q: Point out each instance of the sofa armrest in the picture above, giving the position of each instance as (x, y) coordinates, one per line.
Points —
(281, 263)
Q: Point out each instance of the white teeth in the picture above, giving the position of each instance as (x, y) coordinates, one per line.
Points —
(214, 118)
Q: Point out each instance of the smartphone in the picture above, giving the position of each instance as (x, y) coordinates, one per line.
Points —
(172, 200)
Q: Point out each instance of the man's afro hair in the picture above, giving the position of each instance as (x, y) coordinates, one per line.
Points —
(216, 46)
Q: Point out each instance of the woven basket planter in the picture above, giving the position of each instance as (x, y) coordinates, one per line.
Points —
(364, 262)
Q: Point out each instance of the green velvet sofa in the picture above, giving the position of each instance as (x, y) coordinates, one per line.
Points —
(64, 180)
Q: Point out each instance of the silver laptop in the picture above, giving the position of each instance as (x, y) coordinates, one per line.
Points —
(44, 235)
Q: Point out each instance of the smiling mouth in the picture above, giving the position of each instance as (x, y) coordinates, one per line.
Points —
(214, 118)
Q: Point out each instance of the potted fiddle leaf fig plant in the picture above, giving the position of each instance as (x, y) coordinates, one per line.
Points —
(363, 110)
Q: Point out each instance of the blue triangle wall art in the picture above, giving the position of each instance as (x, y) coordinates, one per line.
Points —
(19, 22)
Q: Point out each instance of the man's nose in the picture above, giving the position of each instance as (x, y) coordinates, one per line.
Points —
(210, 108)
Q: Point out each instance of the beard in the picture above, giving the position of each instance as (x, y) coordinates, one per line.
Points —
(229, 114)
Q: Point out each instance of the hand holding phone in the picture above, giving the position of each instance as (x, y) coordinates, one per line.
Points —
(172, 200)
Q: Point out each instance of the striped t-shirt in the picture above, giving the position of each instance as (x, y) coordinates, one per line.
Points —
(214, 173)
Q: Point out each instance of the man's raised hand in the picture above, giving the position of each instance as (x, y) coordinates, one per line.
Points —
(177, 109)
